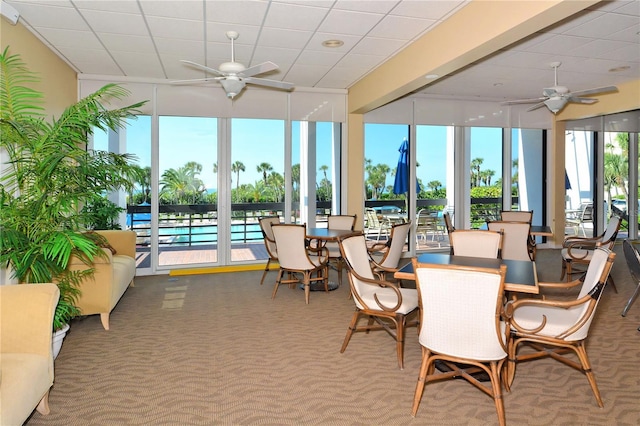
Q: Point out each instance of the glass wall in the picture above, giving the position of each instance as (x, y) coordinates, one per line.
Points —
(485, 171)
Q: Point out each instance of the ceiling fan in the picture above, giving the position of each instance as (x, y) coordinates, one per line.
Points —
(233, 75)
(557, 97)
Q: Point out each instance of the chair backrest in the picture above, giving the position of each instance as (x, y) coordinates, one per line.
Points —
(586, 212)
(267, 234)
(448, 222)
(594, 282)
(517, 216)
(372, 218)
(354, 251)
(632, 256)
(425, 217)
(515, 238)
(341, 222)
(475, 243)
(460, 310)
(292, 249)
(608, 238)
(395, 244)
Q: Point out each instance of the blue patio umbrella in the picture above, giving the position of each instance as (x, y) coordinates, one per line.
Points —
(567, 182)
(401, 184)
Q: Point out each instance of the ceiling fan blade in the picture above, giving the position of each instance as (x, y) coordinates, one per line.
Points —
(196, 80)
(577, 100)
(270, 83)
(202, 67)
(522, 101)
(536, 106)
(259, 69)
(595, 91)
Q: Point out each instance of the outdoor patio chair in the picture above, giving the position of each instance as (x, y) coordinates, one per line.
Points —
(376, 226)
(343, 223)
(632, 257)
(386, 256)
(386, 305)
(428, 223)
(269, 242)
(297, 258)
(461, 327)
(583, 216)
(553, 327)
(579, 250)
(475, 243)
(448, 223)
(515, 239)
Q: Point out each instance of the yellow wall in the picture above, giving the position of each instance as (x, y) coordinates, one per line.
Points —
(58, 81)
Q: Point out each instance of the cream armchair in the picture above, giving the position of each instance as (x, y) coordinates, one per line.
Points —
(26, 357)
(114, 273)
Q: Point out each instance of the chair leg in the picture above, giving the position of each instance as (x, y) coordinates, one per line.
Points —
(275, 288)
(266, 269)
(422, 377)
(307, 289)
(350, 330)
(586, 368)
(400, 323)
(496, 385)
(43, 405)
(632, 299)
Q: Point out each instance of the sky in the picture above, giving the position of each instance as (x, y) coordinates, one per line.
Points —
(184, 139)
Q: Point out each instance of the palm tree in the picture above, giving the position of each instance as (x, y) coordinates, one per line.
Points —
(236, 168)
(264, 168)
(475, 171)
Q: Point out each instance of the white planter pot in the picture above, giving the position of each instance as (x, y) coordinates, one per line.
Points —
(58, 337)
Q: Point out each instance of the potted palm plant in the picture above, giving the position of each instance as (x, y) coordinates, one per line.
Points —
(48, 177)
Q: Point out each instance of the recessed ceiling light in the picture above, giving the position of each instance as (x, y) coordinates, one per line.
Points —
(431, 76)
(332, 43)
(618, 69)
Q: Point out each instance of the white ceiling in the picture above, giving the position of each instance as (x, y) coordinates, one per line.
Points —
(148, 38)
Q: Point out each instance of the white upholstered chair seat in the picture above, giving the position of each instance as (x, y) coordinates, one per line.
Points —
(388, 297)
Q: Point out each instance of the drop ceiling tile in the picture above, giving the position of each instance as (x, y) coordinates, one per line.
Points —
(361, 61)
(316, 3)
(348, 22)
(98, 56)
(62, 38)
(378, 46)
(126, 43)
(380, 6)
(117, 23)
(121, 6)
(190, 10)
(559, 44)
(289, 39)
(630, 35)
(97, 67)
(246, 12)
(349, 42)
(306, 18)
(600, 48)
(432, 10)
(316, 58)
(139, 65)
(264, 53)
(570, 23)
(401, 28)
(223, 51)
(626, 54)
(186, 48)
(176, 28)
(43, 16)
(306, 76)
(601, 26)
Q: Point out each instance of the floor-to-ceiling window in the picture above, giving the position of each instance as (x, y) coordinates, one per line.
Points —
(485, 174)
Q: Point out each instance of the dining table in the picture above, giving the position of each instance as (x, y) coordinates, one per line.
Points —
(521, 275)
(322, 236)
(541, 231)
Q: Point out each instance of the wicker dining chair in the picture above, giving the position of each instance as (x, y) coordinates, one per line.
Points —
(269, 242)
(579, 250)
(515, 239)
(386, 256)
(343, 223)
(461, 327)
(521, 216)
(386, 305)
(553, 327)
(296, 257)
(475, 243)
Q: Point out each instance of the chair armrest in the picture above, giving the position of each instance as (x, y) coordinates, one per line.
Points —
(378, 247)
(320, 251)
(576, 242)
(381, 284)
(560, 285)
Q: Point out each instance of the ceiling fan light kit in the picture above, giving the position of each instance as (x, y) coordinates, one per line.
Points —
(233, 75)
(557, 97)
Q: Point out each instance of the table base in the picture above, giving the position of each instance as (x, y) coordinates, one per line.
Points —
(319, 286)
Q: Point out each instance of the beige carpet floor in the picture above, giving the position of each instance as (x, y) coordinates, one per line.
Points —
(216, 350)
